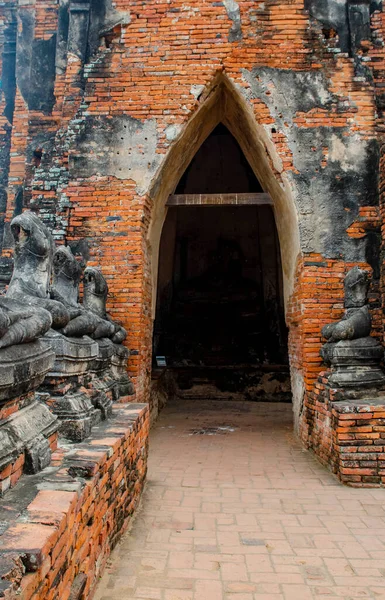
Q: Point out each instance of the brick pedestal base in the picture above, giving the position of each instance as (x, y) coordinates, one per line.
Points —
(347, 434)
(63, 522)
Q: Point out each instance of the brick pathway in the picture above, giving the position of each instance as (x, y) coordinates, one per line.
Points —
(245, 514)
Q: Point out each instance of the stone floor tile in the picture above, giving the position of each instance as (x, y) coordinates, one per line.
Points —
(205, 590)
(148, 592)
(239, 596)
(296, 592)
(246, 515)
(178, 595)
(181, 560)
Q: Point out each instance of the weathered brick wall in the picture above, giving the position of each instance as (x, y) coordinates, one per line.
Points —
(60, 525)
(348, 436)
(132, 106)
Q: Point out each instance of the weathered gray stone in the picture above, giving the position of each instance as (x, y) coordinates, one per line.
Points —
(25, 315)
(75, 412)
(95, 297)
(32, 267)
(110, 366)
(67, 272)
(23, 368)
(73, 355)
(78, 403)
(119, 370)
(20, 324)
(27, 431)
(103, 383)
(356, 322)
(354, 356)
(74, 358)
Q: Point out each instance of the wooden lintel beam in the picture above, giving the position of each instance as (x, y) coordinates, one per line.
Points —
(219, 199)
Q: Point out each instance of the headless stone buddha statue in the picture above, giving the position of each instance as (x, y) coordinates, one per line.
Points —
(356, 322)
(67, 272)
(25, 357)
(354, 356)
(24, 362)
(30, 285)
(75, 351)
(95, 298)
(30, 281)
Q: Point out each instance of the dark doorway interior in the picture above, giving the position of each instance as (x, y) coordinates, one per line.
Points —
(219, 167)
(219, 288)
(220, 298)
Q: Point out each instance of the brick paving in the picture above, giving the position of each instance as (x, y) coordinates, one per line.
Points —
(244, 513)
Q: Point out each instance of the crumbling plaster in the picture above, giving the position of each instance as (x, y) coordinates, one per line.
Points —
(335, 170)
(315, 201)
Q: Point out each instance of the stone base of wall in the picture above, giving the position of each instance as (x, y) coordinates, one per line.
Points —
(28, 434)
(60, 525)
(10, 475)
(346, 431)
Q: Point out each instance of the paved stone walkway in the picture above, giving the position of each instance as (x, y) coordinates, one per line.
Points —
(235, 510)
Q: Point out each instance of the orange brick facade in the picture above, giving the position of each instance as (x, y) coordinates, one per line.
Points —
(99, 156)
(73, 519)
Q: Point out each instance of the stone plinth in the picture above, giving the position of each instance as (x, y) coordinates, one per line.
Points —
(23, 368)
(345, 428)
(28, 430)
(64, 389)
(355, 363)
(119, 371)
(103, 385)
(65, 521)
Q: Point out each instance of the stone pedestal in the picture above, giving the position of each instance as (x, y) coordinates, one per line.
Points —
(23, 368)
(119, 371)
(103, 385)
(28, 430)
(355, 363)
(344, 427)
(65, 386)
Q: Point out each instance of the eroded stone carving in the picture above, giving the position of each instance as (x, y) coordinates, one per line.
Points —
(111, 351)
(75, 354)
(20, 324)
(25, 359)
(83, 376)
(32, 267)
(354, 356)
(95, 298)
(356, 322)
(67, 273)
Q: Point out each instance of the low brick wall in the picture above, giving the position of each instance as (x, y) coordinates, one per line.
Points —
(346, 434)
(59, 526)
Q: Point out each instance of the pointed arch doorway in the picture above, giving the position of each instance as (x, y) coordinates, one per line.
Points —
(219, 320)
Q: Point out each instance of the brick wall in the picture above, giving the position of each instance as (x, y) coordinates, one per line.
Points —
(99, 164)
(347, 435)
(65, 521)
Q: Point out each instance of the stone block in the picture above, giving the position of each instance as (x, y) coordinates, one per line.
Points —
(23, 368)
(28, 430)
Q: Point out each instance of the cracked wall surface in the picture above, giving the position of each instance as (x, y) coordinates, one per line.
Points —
(111, 102)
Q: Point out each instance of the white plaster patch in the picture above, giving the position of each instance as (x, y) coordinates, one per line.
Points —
(196, 90)
(298, 391)
(135, 154)
(172, 132)
(349, 153)
(231, 7)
